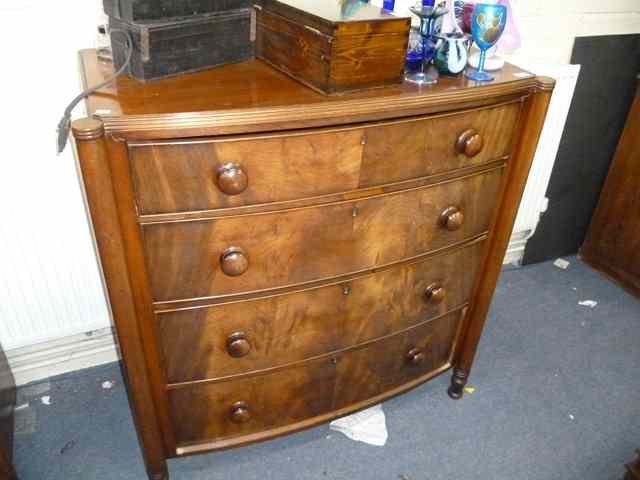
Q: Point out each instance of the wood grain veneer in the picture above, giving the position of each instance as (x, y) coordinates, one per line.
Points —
(314, 388)
(276, 258)
(184, 176)
(307, 244)
(288, 328)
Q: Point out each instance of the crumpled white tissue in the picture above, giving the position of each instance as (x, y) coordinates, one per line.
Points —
(368, 426)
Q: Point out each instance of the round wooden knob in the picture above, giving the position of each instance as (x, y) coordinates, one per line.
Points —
(232, 179)
(452, 218)
(238, 345)
(435, 293)
(469, 143)
(240, 412)
(234, 261)
(415, 356)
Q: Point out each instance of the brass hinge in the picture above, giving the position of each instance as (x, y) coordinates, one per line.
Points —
(318, 32)
(253, 26)
(314, 30)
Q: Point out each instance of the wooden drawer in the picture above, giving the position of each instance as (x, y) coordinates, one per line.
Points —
(257, 252)
(312, 392)
(266, 333)
(223, 173)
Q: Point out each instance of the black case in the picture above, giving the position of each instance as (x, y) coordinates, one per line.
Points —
(188, 44)
(143, 10)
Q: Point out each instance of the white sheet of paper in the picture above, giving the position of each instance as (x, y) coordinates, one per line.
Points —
(368, 426)
(588, 303)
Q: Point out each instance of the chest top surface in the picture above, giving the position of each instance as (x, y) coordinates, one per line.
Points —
(252, 96)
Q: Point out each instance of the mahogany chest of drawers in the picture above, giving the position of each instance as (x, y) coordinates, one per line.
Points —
(276, 258)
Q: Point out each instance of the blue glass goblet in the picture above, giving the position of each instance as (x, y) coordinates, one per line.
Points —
(487, 25)
(429, 17)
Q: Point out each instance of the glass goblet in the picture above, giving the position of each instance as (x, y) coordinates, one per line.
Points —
(429, 17)
(487, 24)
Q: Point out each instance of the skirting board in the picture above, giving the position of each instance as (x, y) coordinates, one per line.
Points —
(515, 250)
(38, 362)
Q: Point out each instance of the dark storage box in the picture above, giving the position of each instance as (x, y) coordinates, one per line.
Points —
(185, 44)
(142, 10)
(332, 46)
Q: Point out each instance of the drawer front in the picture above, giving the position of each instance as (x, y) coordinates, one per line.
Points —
(276, 168)
(257, 252)
(261, 334)
(233, 409)
(410, 149)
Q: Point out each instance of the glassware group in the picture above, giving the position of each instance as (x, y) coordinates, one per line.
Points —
(487, 25)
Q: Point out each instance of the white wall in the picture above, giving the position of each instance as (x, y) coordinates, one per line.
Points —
(549, 27)
(50, 291)
(49, 282)
(549, 30)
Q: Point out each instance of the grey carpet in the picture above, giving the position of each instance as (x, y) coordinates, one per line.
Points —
(557, 397)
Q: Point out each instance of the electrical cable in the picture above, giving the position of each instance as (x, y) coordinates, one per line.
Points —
(64, 126)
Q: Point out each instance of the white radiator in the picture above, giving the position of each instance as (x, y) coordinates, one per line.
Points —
(49, 282)
(50, 290)
(534, 201)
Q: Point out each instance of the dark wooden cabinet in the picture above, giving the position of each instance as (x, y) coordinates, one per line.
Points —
(185, 44)
(7, 404)
(162, 10)
(633, 469)
(276, 258)
(613, 240)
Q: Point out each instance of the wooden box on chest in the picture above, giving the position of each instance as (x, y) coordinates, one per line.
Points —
(279, 259)
(332, 47)
(146, 10)
(163, 48)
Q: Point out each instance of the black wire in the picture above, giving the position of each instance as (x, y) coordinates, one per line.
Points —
(64, 126)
